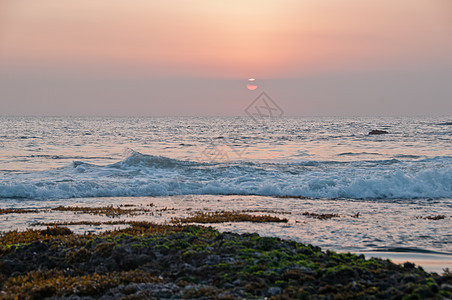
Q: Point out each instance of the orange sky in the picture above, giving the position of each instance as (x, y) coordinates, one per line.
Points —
(226, 39)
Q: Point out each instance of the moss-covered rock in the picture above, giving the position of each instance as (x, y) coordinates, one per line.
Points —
(173, 261)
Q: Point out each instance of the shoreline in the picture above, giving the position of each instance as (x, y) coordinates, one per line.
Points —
(430, 262)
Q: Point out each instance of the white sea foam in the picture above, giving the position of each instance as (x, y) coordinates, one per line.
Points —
(147, 175)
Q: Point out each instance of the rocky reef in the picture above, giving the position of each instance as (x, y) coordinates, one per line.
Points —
(152, 261)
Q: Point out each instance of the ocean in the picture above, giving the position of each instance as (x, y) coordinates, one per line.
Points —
(399, 182)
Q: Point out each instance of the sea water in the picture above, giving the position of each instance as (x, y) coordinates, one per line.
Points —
(286, 166)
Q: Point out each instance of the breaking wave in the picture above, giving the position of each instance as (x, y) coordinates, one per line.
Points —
(147, 175)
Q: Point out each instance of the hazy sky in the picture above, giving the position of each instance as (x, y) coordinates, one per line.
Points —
(192, 57)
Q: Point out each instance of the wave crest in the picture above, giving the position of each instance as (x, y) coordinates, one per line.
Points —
(147, 175)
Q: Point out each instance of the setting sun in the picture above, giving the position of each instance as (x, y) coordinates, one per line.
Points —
(251, 84)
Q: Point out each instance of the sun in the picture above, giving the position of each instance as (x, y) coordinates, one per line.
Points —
(251, 84)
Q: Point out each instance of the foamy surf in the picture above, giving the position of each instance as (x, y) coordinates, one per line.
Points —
(148, 175)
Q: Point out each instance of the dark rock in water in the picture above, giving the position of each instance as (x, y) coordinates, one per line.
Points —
(376, 132)
(445, 123)
(55, 231)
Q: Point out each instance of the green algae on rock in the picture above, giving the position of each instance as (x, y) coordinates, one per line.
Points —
(109, 211)
(4, 211)
(321, 216)
(227, 216)
(172, 261)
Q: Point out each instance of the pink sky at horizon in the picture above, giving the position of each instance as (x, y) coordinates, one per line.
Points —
(54, 53)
